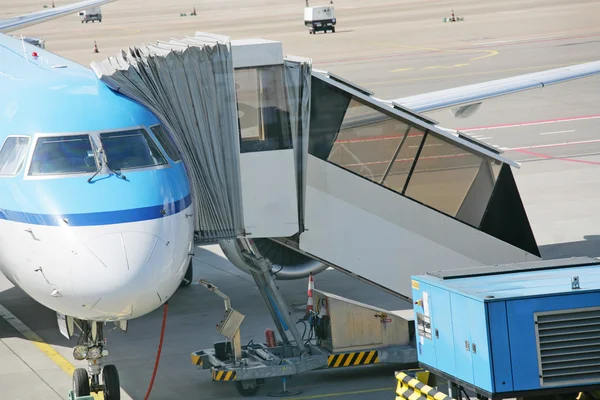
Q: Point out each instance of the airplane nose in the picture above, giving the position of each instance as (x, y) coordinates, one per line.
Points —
(128, 275)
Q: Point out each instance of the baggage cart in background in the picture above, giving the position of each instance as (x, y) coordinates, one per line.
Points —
(320, 18)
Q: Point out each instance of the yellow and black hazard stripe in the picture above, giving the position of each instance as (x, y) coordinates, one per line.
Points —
(410, 388)
(406, 393)
(223, 375)
(351, 359)
(196, 360)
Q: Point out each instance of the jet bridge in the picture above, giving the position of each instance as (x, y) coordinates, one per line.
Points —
(295, 170)
(317, 171)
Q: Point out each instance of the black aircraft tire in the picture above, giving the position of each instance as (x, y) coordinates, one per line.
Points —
(112, 386)
(81, 383)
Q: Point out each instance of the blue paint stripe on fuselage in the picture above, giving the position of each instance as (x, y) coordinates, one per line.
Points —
(99, 218)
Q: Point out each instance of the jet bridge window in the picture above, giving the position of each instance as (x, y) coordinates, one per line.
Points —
(59, 155)
(443, 176)
(13, 154)
(398, 171)
(375, 144)
(367, 141)
(131, 149)
(262, 109)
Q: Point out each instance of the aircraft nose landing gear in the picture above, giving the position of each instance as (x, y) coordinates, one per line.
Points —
(92, 347)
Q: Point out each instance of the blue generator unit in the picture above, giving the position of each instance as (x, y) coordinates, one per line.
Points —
(512, 330)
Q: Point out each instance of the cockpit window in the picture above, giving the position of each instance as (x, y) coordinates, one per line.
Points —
(166, 142)
(130, 149)
(13, 155)
(58, 155)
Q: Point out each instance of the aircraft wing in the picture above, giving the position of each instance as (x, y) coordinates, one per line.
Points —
(47, 14)
(468, 98)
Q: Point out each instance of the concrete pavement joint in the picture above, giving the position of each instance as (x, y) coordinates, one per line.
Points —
(44, 347)
(29, 366)
(36, 340)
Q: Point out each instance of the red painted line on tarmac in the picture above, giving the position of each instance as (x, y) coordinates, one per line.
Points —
(548, 157)
(547, 121)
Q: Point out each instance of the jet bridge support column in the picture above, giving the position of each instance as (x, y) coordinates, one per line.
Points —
(258, 361)
(261, 272)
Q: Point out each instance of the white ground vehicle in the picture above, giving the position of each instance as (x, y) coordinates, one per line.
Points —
(319, 19)
(91, 14)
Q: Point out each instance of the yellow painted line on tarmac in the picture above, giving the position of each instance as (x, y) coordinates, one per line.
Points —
(37, 341)
(488, 53)
(446, 66)
(401, 70)
(127, 29)
(542, 67)
(335, 394)
(44, 347)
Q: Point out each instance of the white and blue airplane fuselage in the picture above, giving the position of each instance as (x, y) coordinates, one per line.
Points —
(112, 247)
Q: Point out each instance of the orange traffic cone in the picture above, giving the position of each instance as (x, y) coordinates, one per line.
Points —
(95, 47)
(453, 19)
(309, 303)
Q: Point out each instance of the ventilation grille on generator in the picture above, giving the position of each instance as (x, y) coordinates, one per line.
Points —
(568, 346)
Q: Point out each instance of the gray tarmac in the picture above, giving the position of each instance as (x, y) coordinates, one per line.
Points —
(396, 49)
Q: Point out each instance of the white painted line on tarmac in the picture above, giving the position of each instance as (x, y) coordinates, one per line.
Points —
(541, 146)
(551, 121)
(555, 132)
(497, 42)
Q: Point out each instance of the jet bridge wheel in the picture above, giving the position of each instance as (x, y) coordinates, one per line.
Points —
(247, 388)
(112, 386)
(81, 382)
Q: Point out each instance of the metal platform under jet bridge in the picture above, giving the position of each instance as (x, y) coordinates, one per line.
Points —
(319, 172)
